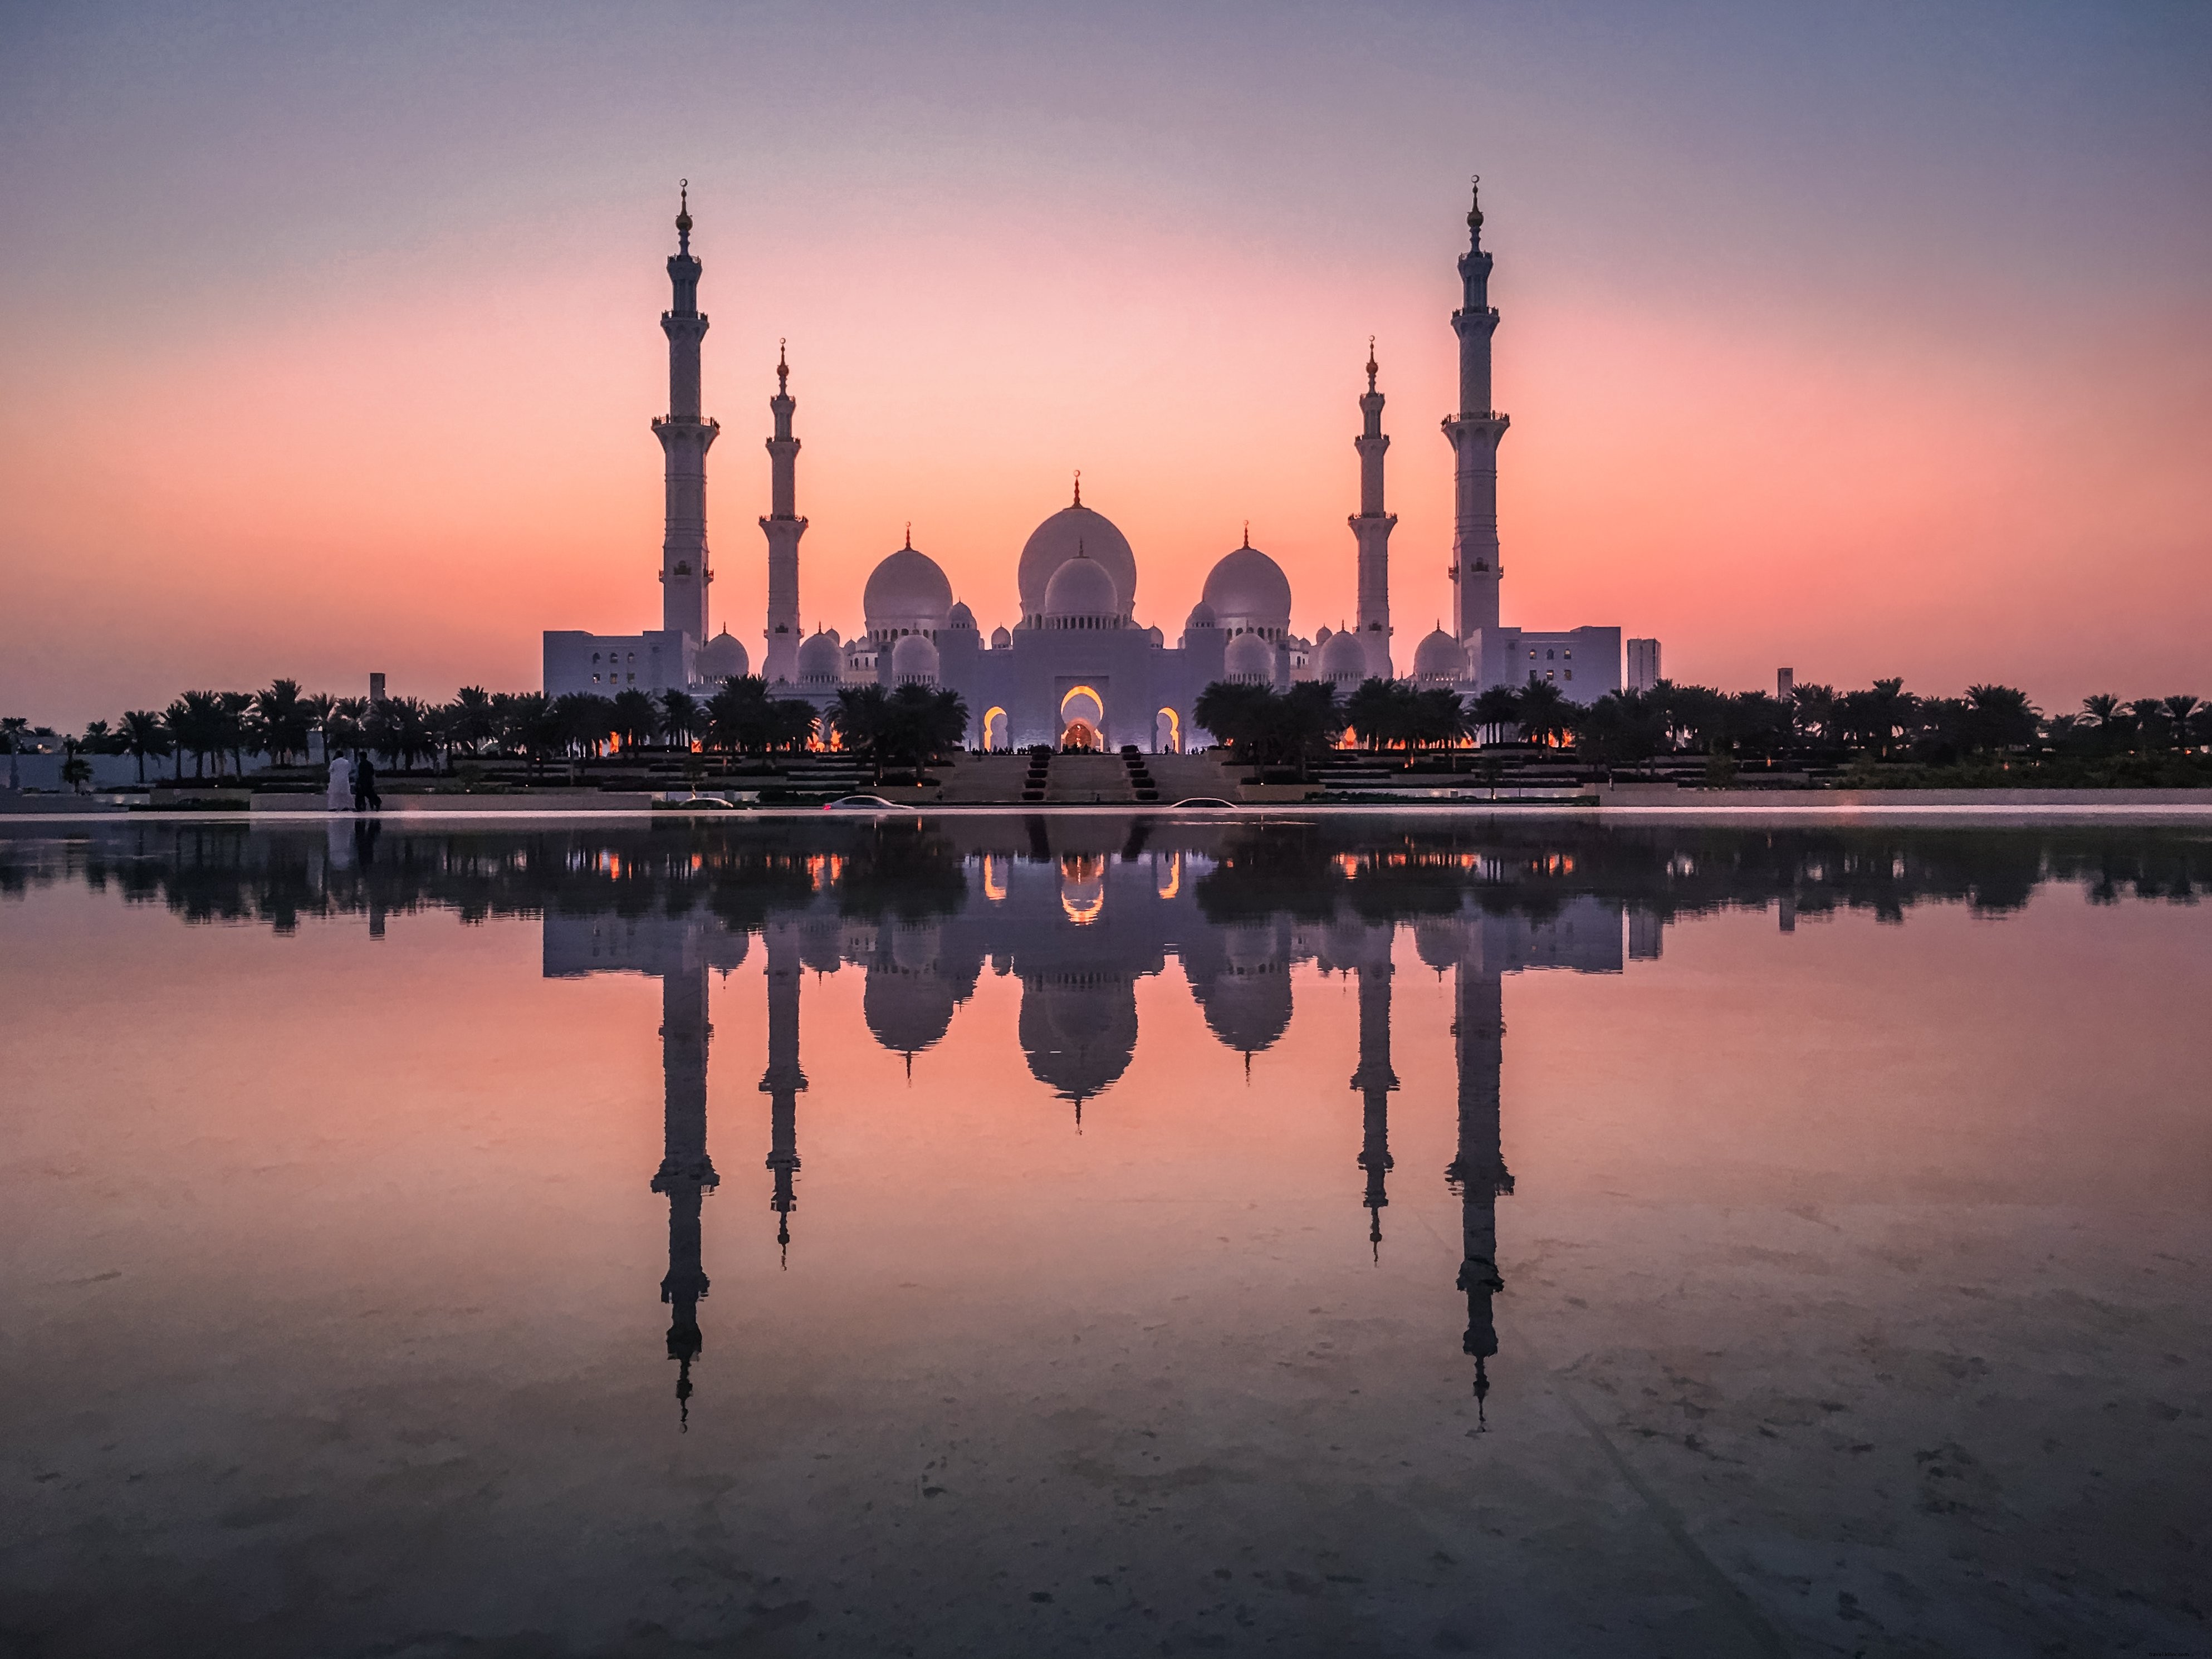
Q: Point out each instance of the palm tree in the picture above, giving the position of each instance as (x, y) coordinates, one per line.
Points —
(1376, 711)
(737, 715)
(1494, 710)
(2179, 709)
(198, 726)
(240, 732)
(142, 735)
(14, 725)
(1542, 711)
(681, 717)
(861, 719)
(636, 717)
(471, 720)
(792, 724)
(76, 771)
(1999, 717)
(1438, 717)
(284, 719)
(1238, 715)
(2151, 720)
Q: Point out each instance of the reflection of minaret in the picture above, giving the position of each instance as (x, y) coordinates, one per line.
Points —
(687, 1175)
(783, 1080)
(1478, 1170)
(1375, 1080)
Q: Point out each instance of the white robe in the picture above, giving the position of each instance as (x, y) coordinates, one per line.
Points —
(340, 799)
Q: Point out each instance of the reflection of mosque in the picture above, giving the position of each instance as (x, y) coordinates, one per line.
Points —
(1078, 929)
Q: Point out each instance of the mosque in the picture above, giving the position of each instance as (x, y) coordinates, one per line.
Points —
(1076, 668)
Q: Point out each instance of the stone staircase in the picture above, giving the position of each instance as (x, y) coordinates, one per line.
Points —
(1089, 780)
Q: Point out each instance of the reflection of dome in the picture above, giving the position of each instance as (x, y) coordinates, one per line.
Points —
(913, 660)
(820, 661)
(1201, 616)
(1439, 658)
(1440, 943)
(1053, 543)
(1081, 595)
(961, 617)
(1343, 664)
(722, 657)
(1078, 1034)
(1248, 1010)
(907, 593)
(907, 1013)
(1249, 660)
(1249, 590)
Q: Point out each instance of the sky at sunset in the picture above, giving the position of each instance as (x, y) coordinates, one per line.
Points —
(1866, 340)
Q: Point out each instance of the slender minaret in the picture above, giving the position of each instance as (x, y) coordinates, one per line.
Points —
(1474, 434)
(1375, 1080)
(1479, 1171)
(687, 1174)
(1371, 529)
(783, 529)
(685, 437)
(783, 1080)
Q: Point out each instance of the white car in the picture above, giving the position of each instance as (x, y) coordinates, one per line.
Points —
(860, 804)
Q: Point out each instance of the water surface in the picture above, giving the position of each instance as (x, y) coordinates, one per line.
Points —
(1104, 1235)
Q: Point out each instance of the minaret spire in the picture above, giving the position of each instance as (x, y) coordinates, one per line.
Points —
(1475, 432)
(1370, 530)
(685, 436)
(783, 527)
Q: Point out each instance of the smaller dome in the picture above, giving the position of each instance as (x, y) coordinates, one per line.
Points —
(820, 661)
(1081, 590)
(722, 657)
(1201, 616)
(961, 617)
(1322, 638)
(1000, 639)
(1249, 660)
(913, 660)
(1248, 590)
(906, 592)
(1439, 658)
(1343, 660)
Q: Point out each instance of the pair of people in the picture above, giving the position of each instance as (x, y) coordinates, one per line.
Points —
(353, 786)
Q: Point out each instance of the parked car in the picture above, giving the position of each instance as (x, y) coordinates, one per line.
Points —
(859, 804)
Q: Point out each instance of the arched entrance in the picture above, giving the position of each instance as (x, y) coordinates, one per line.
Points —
(1081, 719)
(994, 729)
(1167, 732)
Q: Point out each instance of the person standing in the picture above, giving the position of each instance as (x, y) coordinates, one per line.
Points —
(338, 797)
(365, 798)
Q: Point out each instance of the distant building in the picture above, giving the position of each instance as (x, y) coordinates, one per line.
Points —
(1785, 683)
(1642, 664)
(1076, 668)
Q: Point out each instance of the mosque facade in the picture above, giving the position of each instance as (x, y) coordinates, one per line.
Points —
(1075, 667)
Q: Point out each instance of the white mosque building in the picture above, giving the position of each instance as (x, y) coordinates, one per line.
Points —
(1076, 668)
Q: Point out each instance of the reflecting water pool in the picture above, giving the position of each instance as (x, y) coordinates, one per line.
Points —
(1025, 1236)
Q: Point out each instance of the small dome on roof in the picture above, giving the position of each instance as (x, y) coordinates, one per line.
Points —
(820, 660)
(1343, 660)
(1249, 660)
(722, 657)
(1322, 638)
(1081, 590)
(961, 617)
(1439, 658)
(1201, 616)
(913, 660)
(1000, 639)
(1249, 590)
(907, 592)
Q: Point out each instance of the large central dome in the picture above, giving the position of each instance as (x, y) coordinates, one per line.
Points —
(1054, 541)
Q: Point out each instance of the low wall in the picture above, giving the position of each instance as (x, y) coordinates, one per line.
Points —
(1828, 800)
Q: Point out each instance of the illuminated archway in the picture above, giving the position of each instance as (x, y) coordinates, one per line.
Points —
(1167, 732)
(995, 728)
(1081, 719)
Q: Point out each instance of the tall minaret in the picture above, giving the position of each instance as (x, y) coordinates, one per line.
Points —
(783, 1081)
(1478, 1170)
(1474, 434)
(1375, 1080)
(783, 529)
(686, 1173)
(685, 437)
(1371, 529)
